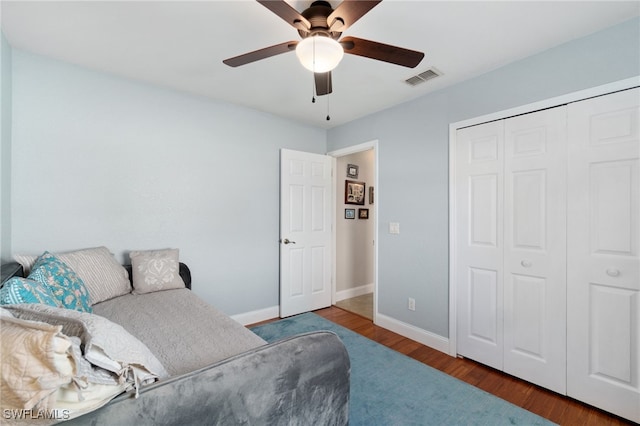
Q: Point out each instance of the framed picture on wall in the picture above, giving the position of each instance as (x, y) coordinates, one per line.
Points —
(371, 195)
(352, 171)
(354, 192)
(349, 213)
(363, 213)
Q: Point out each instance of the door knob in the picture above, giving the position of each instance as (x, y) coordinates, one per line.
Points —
(613, 272)
(286, 241)
(526, 263)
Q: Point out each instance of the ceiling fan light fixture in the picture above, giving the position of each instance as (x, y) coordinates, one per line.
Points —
(319, 53)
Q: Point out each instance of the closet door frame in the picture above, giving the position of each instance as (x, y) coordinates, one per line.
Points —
(453, 128)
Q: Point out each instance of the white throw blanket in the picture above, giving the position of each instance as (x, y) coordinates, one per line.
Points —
(66, 360)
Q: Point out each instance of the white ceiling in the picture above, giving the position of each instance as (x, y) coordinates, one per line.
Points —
(181, 45)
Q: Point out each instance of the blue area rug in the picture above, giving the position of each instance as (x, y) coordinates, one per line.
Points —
(389, 388)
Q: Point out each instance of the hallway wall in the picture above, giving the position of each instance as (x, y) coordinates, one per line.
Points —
(354, 237)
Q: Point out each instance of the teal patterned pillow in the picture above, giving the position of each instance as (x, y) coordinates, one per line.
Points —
(65, 285)
(22, 290)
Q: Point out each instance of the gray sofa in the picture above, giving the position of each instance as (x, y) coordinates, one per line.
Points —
(220, 372)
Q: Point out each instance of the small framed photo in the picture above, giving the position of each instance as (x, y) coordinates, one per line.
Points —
(349, 213)
(354, 192)
(371, 195)
(352, 171)
(363, 213)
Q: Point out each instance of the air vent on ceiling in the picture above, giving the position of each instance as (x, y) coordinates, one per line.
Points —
(422, 77)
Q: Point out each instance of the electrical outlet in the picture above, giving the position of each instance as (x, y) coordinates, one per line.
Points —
(394, 228)
(411, 305)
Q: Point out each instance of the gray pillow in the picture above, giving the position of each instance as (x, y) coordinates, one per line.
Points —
(155, 270)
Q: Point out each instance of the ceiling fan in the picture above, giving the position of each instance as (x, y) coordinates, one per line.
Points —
(321, 48)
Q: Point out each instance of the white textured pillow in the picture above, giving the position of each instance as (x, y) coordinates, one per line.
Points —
(26, 260)
(103, 276)
(155, 270)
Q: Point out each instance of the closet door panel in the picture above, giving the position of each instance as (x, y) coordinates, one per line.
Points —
(479, 242)
(529, 209)
(534, 252)
(603, 316)
(528, 300)
(612, 189)
(483, 214)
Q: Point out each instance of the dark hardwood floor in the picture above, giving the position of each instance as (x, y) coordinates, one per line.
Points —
(550, 405)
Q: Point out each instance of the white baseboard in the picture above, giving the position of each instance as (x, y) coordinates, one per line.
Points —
(407, 330)
(354, 292)
(257, 316)
(412, 332)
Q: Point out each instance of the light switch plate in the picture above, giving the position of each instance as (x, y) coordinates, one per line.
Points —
(394, 228)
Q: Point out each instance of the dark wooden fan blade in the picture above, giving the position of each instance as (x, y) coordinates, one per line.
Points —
(381, 52)
(349, 11)
(261, 54)
(288, 13)
(323, 83)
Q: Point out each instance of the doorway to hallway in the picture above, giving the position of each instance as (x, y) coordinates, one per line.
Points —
(355, 229)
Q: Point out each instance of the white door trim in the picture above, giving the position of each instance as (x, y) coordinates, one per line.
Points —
(524, 109)
(373, 144)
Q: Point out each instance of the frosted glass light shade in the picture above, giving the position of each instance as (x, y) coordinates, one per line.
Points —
(319, 53)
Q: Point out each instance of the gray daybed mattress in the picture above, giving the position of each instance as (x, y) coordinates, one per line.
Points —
(184, 332)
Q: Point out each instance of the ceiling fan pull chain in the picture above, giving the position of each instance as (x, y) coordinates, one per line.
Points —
(313, 90)
(328, 117)
(313, 95)
(314, 54)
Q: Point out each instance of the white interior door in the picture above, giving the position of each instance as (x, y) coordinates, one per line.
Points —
(479, 223)
(603, 281)
(305, 232)
(535, 248)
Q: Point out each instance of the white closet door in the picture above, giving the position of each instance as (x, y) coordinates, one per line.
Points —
(535, 248)
(603, 282)
(479, 216)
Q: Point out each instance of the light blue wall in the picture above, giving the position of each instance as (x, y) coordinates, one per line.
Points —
(5, 149)
(413, 159)
(99, 160)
